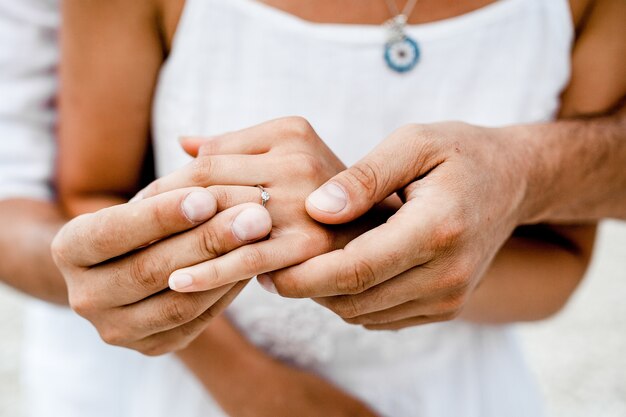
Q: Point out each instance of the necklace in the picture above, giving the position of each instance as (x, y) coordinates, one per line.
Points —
(401, 51)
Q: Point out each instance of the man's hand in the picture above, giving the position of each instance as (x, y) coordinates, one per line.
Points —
(117, 262)
(463, 198)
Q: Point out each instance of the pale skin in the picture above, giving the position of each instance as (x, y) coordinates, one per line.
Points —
(597, 206)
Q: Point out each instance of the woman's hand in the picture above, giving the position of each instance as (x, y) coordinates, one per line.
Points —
(289, 160)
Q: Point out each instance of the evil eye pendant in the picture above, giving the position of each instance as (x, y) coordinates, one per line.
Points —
(402, 54)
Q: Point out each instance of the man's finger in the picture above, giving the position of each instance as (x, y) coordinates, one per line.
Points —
(393, 164)
(245, 262)
(419, 283)
(146, 272)
(410, 322)
(169, 309)
(178, 338)
(370, 259)
(114, 231)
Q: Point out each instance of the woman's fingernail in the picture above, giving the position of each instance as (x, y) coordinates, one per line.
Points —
(330, 198)
(199, 206)
(267, 283)
(180, 281)
(137, 197)
(251, 224)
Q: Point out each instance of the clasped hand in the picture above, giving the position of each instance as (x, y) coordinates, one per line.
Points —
(342, 237)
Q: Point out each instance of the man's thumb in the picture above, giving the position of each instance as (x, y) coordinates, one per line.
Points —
(353, 192)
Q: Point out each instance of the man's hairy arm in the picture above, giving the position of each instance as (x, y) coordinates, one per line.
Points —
(578, 170)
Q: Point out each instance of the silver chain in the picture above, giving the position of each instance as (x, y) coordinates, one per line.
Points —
(406, 12)
(396, 24)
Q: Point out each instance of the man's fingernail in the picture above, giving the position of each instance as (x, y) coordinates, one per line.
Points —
(137, 197)
(180, 281)
(267, 283)
(331, 198)
(251, 224)
(199, 206)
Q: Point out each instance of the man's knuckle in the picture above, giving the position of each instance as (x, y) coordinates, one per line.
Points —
(154, 349)
(147, 272)
(355, 277)
(365, 177)
(210, 243)
(112, 335)
(99, 239)
(453, 305)
(458, 279)
(81, 302)
(348, 307)
(253, 259)
(315, 240)
(222, 196)
(448, 233)
(176, 313)
(59, 248)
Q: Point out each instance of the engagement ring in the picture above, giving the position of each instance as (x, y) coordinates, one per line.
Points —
(265, 196)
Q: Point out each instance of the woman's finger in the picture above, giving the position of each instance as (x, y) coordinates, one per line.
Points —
(251, 141)
(228, 196)
(216, 170)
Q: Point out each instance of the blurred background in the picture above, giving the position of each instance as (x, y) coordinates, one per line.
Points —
(579, 356)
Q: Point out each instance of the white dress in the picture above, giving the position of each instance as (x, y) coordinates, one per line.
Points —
(236, 63)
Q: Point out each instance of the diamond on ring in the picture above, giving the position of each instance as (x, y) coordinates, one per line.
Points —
(265, 196)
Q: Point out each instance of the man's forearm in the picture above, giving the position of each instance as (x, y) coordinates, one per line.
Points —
(577, 169)
(28, 227)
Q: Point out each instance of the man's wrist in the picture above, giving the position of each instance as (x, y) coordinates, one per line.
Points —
(535, 168)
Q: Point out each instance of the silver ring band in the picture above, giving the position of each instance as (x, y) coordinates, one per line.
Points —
(265, 196)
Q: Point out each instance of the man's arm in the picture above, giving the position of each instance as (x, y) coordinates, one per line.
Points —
(568, 171)
(578, 169)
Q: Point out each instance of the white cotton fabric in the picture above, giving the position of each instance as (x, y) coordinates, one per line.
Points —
(236, 63)
(28, 58)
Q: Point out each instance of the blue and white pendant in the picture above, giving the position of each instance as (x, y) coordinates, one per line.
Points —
(401, 51)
